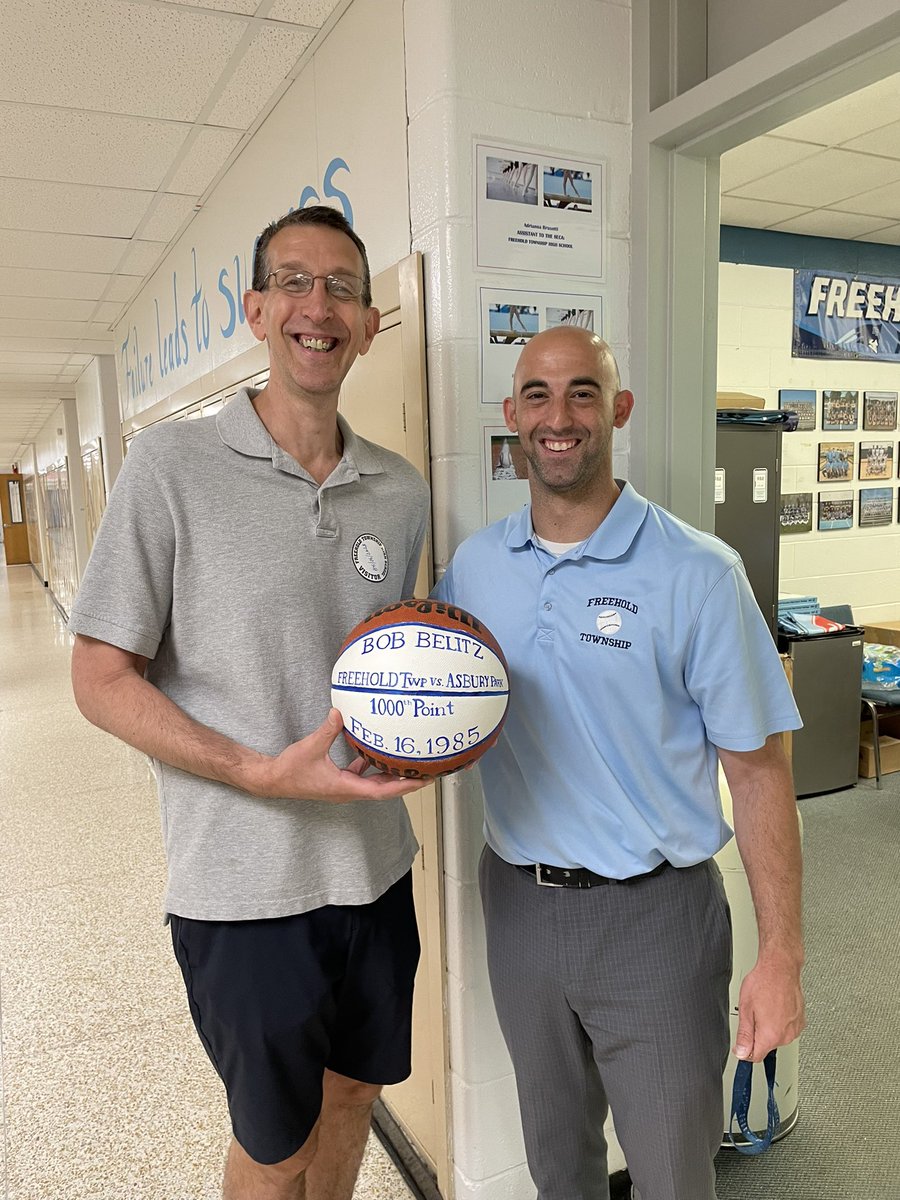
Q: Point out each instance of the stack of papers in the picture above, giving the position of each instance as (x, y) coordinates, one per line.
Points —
(797, 604)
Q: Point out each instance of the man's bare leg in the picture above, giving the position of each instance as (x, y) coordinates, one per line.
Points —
(246, 1179)
(343, 1128)
(326, 1165)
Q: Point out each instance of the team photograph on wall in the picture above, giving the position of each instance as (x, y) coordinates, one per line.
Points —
(880, 411)
(801, 401)
(835, 461)
(840, 410)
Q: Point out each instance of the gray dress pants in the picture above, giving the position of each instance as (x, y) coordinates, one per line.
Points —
(614, 995)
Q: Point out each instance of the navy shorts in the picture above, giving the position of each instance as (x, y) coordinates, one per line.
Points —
(277, 1001)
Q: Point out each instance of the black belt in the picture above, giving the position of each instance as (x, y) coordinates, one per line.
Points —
(580, 877)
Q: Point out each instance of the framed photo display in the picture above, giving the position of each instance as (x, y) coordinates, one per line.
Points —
(835, 461)
(876, 460)
(875, 507)
(840, 410)
(796, 511)
(879, 411)
(802, 401)
(835, 510)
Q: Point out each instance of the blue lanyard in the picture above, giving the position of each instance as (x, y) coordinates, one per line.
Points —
(740, 1104)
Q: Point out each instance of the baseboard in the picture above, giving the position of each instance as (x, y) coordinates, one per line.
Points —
(620, 1186)
(417, 1177)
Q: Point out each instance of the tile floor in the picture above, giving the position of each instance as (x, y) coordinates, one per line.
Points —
(105, 1093)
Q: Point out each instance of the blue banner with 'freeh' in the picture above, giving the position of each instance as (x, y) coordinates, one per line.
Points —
(840, 315)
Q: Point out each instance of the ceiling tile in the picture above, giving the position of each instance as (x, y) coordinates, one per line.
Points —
(28, 375)
(141, 257)
(61, 251)
(112, 56)
(71, 208)
(879, 202)
(827, 223)
(83, 285)
(271, 56)
(887, 237)
(246, 7)
(40, 356)
(204, 158)
(760, 157)
(303, 12)
(108, 312)
(82, 345)
(86, 147)
(756, 214)
(828, 177)
(123, 287)
(15, 328)
(884, 141)
(167, 216)
(849, 117)
(46, 309)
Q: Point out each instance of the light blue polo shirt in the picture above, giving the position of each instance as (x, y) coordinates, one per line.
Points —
(632, 657)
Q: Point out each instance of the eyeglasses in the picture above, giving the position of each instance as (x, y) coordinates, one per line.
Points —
(301, 283)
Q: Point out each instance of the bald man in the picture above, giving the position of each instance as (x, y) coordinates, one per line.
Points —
(638, 660)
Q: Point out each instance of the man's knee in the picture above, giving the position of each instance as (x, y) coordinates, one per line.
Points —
(285, 1171)
(348, 1093)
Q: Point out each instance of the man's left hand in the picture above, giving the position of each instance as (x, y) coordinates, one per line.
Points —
(771, 1010)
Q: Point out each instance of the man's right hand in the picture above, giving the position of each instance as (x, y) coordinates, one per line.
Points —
(304, 771)
(111, 691)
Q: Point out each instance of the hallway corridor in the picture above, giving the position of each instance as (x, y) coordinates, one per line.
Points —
(106, 1093)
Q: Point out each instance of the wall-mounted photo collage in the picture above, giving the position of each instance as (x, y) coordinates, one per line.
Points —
(841, 460)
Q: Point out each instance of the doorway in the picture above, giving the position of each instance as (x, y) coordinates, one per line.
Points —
(15, 527)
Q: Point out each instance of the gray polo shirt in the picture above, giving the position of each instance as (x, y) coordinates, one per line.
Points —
(222, 561)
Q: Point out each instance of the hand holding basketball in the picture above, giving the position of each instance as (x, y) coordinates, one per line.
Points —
(304, 771)
(422, 687)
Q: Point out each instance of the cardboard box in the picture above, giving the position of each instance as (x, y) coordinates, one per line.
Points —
(738, 400)
(889, 745)
(885, 632)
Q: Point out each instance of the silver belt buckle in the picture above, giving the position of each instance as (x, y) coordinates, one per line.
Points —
(543, 882)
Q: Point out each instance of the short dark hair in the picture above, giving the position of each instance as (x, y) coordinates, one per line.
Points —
(315, 214)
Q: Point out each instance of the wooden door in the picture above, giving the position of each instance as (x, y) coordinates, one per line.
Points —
(384, 399)
(15, 529)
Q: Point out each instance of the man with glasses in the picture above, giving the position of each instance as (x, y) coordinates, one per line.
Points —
(236, 553)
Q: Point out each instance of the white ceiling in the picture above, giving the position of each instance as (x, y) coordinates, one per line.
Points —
(117, 119)
(833, 173)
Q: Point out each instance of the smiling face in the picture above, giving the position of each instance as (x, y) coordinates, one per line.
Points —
(313, 340)
(565, 404)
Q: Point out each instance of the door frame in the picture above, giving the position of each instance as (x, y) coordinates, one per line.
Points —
(675, 224)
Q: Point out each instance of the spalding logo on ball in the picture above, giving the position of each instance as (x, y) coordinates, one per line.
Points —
(422, 687)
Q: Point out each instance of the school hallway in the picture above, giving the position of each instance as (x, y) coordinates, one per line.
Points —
(105, 1091)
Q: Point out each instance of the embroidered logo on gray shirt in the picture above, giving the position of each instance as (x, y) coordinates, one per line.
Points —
(370, 557)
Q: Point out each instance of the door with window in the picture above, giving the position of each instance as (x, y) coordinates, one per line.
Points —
(15, 528)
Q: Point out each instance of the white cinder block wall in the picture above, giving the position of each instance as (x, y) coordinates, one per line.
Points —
(860, 567)
(503, 73)
(99, 416)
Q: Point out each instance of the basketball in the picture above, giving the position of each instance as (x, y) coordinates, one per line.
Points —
(422, 687)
